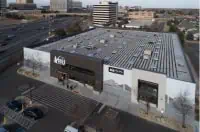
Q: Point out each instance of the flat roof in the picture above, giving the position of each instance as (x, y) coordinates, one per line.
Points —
(140, 23)
(125, 49)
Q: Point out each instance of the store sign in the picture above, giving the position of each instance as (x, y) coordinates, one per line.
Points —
(59, 60)
(115, 70)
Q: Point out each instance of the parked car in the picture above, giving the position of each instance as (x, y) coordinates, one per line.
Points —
(15, 105)
(34, 113)
(3, 43)
(9, 37)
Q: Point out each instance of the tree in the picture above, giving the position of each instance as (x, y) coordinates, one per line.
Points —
(34, 62)
(74, 28)
(181, 37)
(172, 28)
(189, 36)
(147, 100)
(183, 105)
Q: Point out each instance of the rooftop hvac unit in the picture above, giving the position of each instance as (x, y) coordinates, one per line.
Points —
(147, 52)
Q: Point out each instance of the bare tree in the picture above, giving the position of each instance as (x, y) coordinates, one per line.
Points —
(183, 105)
(147, 100)
(34, 62)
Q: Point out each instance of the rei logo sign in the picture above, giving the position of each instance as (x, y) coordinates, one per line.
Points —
(59, 60)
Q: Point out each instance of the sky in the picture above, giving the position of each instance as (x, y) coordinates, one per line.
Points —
(143, 3)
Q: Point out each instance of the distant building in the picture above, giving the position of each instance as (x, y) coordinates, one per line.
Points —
(3, 4)
(24, 1)
(122, 12)
(186, 25)
(140, 14)
(61, 5)
(139, 24)
(28, 6)
(45, 7)
(105, 13)
(76, 4)
(135, 8)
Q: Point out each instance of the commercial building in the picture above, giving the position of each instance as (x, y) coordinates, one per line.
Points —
(140, 14)
(3, 4)
(105, 13)
(24, 1)
(76, 4)
(139, 24)
(61, 5)
(27, 6)
(144, 64)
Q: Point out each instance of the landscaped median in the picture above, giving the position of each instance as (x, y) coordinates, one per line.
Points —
(165, 121)
(28, 73)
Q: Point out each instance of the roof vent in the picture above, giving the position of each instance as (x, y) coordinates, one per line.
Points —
(155, 58)
(124, 43)
(181, 65)
(102, 41)
(76, 45)
(114, 52)
(112, 35)
(105, 45)
(69, 40)
(73, 51)
(90, 55)
(90, 47)
(119, 47)
(156, 52)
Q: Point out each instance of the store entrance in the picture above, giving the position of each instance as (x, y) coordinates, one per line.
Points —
(148, 91)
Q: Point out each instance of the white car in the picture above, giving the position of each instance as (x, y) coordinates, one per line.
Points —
(70, 129)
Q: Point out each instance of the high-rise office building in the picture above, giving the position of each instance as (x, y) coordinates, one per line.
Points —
(105, 13)
(61, 5)
(76, 4)
(24, 1)
(3, 4)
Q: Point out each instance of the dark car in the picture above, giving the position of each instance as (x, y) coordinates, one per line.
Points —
(34, 113)
(15, 105)
(9, 37)
(3, 43)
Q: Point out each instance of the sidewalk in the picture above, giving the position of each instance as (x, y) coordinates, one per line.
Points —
(110, 97)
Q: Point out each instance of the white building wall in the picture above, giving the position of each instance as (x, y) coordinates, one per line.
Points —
(119, 79)
(42, 56)
(160, 79)
(174, 87)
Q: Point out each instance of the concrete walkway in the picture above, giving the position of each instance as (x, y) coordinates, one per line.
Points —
(111, 96)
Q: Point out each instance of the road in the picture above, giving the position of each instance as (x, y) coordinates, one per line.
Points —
(27, 34)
